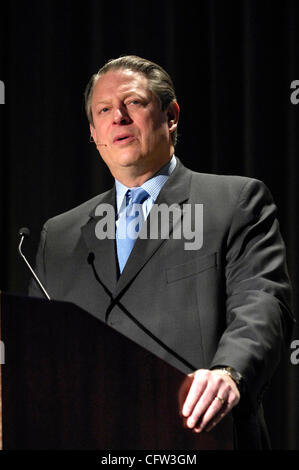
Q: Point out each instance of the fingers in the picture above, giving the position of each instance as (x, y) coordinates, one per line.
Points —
(216, 410)
(196, 390)
(184, 389)
(217, 418)
(211, 396)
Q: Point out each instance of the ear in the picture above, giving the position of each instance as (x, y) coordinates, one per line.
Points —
(92, 131)
(173, 112)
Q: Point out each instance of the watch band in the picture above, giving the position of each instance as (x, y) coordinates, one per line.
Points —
(234, 375)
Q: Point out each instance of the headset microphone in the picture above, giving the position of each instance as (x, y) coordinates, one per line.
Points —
(91, 139)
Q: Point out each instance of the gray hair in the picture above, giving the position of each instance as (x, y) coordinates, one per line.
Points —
(159, 82)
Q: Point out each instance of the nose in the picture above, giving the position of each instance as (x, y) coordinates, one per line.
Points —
(121, 116)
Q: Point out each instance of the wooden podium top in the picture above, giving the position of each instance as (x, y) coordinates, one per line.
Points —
(71, 382)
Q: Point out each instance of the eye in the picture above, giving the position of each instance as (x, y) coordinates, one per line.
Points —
(134, 102)
(103, 110)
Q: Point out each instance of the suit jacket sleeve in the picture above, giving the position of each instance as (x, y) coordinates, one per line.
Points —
(258, 292)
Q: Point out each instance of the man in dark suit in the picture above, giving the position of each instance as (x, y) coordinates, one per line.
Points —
(217, 308)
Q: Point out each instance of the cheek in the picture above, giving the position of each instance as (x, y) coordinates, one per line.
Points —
(159, 132)
(159, 124)
(153, 128)
(99, 127)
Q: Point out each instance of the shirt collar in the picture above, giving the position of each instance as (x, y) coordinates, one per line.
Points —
(153, 186)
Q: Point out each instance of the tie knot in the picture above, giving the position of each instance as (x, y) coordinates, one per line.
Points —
(137, 195)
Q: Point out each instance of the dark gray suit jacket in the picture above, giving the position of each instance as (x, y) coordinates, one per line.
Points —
(227, 303)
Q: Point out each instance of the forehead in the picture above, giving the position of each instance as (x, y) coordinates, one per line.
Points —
(120, 82)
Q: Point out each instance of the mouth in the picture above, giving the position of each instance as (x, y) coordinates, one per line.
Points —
(123, 139)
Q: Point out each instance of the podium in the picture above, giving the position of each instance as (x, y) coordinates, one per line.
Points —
(71, 382)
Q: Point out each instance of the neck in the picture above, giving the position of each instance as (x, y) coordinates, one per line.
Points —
(133, 176)
(132, 181)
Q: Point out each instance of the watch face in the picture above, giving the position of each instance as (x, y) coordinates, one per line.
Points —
(236, 376)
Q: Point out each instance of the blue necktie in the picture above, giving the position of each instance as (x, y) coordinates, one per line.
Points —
(129, 224)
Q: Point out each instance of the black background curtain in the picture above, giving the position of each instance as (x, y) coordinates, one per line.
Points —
(232, 62)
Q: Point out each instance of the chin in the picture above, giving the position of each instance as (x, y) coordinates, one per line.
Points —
(129, 159)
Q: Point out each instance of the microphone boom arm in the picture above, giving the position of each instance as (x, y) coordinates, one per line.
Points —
(30, 268)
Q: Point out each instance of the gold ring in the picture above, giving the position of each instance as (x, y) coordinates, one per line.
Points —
(220, 399)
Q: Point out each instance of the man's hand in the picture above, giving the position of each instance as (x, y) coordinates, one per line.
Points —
(211, 396)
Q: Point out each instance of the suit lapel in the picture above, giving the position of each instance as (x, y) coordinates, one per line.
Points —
(175, 191)
(104, 251)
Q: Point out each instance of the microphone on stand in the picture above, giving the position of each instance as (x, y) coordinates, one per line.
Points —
(25, 233)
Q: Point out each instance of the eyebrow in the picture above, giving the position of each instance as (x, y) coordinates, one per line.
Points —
(125, 95)
(102, 102)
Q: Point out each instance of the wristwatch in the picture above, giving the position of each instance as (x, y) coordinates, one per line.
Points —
(234, 375)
